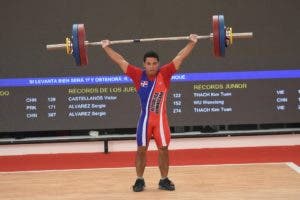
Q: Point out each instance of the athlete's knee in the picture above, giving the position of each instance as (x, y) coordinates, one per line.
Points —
(141, 150)
(163, 148)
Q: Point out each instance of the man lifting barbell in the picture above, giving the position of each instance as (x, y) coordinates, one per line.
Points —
(152, 85)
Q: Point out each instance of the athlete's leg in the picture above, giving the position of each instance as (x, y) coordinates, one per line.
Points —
(140, 160)
(163, 161)
(162, 140)
(162, 136)
(140, 164)
(164, 183)
(142, 138)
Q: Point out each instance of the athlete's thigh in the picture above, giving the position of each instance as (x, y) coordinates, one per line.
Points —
(162, 135)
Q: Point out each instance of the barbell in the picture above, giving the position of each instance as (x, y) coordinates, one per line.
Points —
(221, 36)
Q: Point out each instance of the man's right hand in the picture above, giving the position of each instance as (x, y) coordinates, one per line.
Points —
(116, 57)
(193, 38)
(105, 43)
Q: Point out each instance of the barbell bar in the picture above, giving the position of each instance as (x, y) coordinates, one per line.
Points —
(221, 36)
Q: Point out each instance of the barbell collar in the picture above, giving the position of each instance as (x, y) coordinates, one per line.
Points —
(55, 46)
(245, 35)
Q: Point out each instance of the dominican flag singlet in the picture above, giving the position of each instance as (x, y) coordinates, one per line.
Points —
(153, 120)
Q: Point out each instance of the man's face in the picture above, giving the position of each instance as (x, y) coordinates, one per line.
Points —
(151, 64)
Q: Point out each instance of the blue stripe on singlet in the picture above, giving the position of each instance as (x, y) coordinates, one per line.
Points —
(145, 94)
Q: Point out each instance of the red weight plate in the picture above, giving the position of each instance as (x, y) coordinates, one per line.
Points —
(82, 47)
(216, 35)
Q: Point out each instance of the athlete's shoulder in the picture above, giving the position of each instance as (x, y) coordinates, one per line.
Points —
(132, 69)
(168, 68)
(135, 73)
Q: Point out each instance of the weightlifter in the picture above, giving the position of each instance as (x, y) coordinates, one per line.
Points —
(152, 85)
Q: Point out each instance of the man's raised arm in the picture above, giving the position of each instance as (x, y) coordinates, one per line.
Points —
(116, 57)
(183, 54)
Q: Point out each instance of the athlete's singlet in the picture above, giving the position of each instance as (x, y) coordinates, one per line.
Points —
(152, 91)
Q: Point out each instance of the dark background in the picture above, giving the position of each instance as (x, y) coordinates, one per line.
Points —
(27, 26)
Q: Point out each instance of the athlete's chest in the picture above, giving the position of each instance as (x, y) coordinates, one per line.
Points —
(156, 84)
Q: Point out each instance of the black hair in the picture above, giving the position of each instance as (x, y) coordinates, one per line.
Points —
(151, 54)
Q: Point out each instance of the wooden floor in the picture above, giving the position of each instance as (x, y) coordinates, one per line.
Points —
(253, 181)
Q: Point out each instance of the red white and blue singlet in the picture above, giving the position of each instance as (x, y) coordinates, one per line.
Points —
(153, 120)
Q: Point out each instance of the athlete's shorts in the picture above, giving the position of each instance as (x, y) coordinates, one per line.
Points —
(154, 126)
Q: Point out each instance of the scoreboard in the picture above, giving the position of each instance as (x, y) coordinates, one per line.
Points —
(91, 102)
